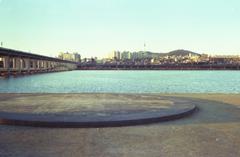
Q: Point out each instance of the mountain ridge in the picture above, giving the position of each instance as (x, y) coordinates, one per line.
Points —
(178, 52)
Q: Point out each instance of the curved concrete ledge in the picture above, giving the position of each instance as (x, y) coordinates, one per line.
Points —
(106, 118)
(92, 124)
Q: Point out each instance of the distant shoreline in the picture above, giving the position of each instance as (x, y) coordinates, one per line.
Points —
(158, 67)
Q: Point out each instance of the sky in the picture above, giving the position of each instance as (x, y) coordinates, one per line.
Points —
(97, 27)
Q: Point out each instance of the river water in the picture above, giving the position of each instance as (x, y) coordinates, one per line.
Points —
(125, 82)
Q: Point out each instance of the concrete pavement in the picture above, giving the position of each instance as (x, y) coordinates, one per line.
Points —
(213, 131)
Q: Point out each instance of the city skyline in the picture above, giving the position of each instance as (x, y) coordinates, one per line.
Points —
(94, 28)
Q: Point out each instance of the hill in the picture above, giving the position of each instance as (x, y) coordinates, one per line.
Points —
(149, 54)
(181, 53)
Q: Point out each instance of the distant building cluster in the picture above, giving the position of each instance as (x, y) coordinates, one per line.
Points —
(146, 57)
(224, 59)
(70, 56)
(127, 55)
(174, 57)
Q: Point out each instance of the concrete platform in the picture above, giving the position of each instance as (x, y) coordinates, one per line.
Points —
(212, 131)
(90, 110)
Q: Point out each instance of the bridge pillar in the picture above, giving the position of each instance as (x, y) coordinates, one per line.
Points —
(12, 63)
(35, 64)
(58, 66)
(18, 64)
(41, 65)
(22, 64)
(45, 65)
(32, 65)
(38, 65)
(55, 66)
(6, 64)
(52, 66)
(48, 65)
(1, 63)
(27, 62)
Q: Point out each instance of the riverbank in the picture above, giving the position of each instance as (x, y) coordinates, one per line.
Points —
(159, 67)
(213, 131)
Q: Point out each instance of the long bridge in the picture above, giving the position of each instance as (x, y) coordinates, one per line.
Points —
(14, 62)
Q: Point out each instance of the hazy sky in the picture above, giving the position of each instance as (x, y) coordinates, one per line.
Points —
(96, 27)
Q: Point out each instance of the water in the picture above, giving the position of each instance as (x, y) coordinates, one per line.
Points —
(125, 82)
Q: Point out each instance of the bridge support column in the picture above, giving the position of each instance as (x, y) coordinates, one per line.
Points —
(48, 65)
(38, 65)
(54, 66)
(6, 64)
(34, 62)
(45, 65)
(21, 66)
(18, 65)
(13, 63)
(27, 63)
(41, 65)
(51, 65)
(1, 60)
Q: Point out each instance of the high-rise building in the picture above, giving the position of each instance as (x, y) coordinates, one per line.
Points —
(115, 55)
(76, 57)
(125, 55)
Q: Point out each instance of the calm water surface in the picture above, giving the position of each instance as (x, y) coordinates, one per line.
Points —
(125, 82)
